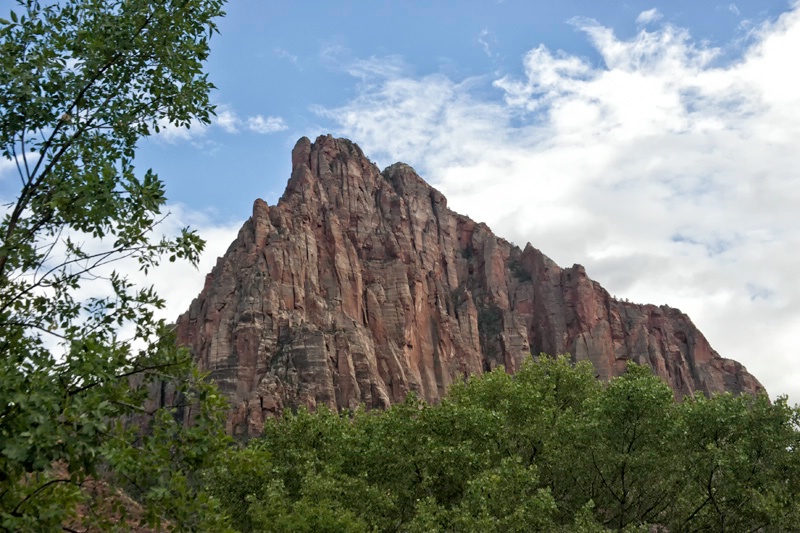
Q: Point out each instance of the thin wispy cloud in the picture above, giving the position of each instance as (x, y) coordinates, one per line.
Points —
(484, 38)
(673, 179)
(334, 54)
(375, 67)
(285, 54)
(338, 57)
(733, 9)
(265, 125)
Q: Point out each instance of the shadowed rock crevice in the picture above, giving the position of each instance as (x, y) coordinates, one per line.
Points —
(360, 286)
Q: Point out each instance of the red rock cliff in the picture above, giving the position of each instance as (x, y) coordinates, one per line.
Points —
(360, 286)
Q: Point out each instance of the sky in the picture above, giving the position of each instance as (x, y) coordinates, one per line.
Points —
(656, 143)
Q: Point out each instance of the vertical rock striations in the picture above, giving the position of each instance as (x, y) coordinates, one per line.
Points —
(360, 286)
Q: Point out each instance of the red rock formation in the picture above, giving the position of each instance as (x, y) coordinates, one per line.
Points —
(360, 286)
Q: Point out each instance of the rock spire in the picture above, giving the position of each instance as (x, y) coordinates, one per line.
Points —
(360, 286)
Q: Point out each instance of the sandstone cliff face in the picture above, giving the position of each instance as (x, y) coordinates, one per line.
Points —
(360, 286)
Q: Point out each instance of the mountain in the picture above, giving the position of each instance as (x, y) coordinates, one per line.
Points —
(360, 286)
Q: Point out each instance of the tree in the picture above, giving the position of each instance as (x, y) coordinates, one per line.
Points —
(740, 465)
(624, 450)
(81, 82)
(547, 449)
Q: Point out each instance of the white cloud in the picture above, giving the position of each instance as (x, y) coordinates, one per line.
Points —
(733, 9)
(333, 53)
(340, 58)
(11, 166)
(227, 119)
(673, 179)
(7, 167)
(285, 54)
(173, 134)
(649, 16)
(177, 283)
(376, 67)
(483, 40)
(264, 125)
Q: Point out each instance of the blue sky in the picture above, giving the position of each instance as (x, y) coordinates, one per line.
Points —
(288, 59)
(656, 143)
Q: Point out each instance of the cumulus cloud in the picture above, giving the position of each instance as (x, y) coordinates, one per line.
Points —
(646, 17)
(227, 120)
(173, 134)
(8, 166)
(673, 178)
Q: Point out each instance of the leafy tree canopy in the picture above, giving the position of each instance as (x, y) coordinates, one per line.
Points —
(81, 82)
(549, 449)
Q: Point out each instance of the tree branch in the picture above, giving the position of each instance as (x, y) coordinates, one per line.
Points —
(15, 511)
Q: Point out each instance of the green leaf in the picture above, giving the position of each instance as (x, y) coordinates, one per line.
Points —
(65, 375)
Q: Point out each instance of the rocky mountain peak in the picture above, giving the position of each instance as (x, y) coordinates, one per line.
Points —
(360, 286)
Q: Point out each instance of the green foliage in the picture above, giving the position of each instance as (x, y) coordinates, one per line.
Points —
(490, 326)
(548, 449)
(518, 270)
(81, 81)
(162, 469)
(741, 464)
(623, 437)
(240, 478)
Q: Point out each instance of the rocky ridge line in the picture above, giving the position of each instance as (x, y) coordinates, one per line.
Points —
(360, 286)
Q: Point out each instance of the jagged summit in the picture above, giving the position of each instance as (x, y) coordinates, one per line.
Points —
(360, 286)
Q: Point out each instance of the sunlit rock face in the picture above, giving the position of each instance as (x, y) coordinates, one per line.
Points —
(360, 286)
